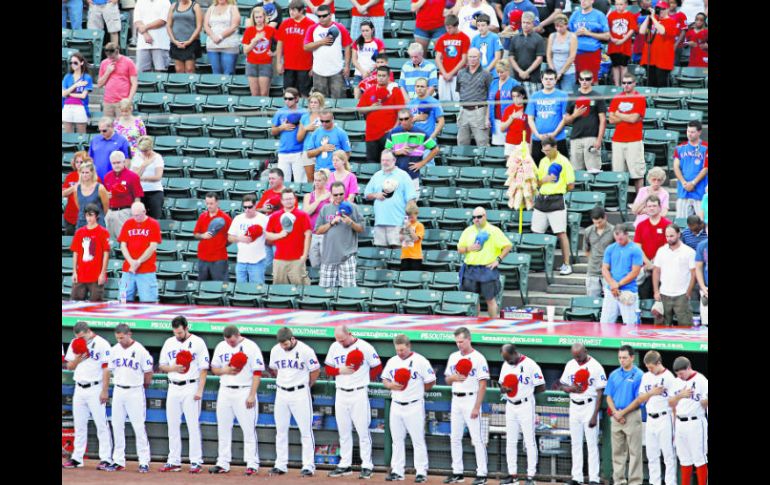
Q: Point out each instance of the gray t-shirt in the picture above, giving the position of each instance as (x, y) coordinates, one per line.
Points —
(340, 241)
(596, 244)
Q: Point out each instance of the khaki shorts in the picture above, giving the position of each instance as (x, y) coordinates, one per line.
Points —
(387, 236)
(111, 110)
(556, 219)
(290, 272)
(99, 15)
(582, 158)
(307, 161)
(629, 157)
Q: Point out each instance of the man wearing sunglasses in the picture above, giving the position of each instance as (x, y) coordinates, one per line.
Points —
(250, 262)
(325, 140)
(586, 114)
(340, 224)
(119, 78)
(327, 40)
(626, 112)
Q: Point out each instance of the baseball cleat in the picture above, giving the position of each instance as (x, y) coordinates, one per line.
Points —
(530, 481)
(394, 477)
(72, 464)
(104, 466)
(509, 480)
(365, 474)
(306, 473)
(195, 468)
(251, 471)
(454, 478)
(277, 471)
(341, 472)
(144, 468)
(420, 479)
(168, 467)
(479, 481)
(116, 468)
(217, 469)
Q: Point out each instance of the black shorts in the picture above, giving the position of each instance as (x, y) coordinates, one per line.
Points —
(300, 80)
(189, 53)
(487, 289)
(619, 59)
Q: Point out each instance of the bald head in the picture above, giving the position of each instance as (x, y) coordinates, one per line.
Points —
(479, 217)
(138, 212)
(509, 353)
(579, 351)
(474, 57)
(342, 335)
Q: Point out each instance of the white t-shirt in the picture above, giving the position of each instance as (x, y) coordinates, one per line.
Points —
(657, 404)
(329, 60)
(90, 370)
(529, 374)
(148, 11)
(596, 378)
(129, 365)
(293, 366)
(224, 352)
(691, 406)
(422, 373)
(675, 269)
(691, 8)
(479, 371)
(466, 16)
(252, 252)
(150, 171)
(336, 355)
(196, 346)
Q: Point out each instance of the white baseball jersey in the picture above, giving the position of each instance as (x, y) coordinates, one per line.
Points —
(293, 366)
(196, 346)
(529, 374)
(336, 355)
(691, 406)
(658, 404)
(90, 370)
(596, 380)
(252, 252)
(422, 373)
(224, 352)
(128, 365)
(479, 372)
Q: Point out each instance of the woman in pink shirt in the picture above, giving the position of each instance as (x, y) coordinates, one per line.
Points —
(655, 177)
(343, 174)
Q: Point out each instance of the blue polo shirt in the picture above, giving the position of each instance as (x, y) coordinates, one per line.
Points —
(100, 149)
(547, 110)
(337, 137)
(702, 255)
(391, 211)
(436, 111)
(621, 259)
(288, 139)
(623, 386)
(595, 22)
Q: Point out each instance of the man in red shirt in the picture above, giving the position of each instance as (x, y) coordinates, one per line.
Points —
(451, 56)
(650, 235)
(291, 59)
(90, 253)
(211, 230)
(626, 112)
(379, 121)
(125, 189)
(622, 28)
(139, 239)
(289, 230)
(274, 189)
(660, 45)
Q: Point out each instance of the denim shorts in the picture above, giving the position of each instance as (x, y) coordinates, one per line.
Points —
(430, 34)
(259, 70)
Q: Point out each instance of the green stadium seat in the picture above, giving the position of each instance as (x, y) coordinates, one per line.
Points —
(212, 83)
(378, 278)
(73, 141)
(582, 202)
(473, 177)
(541, 248)
(150, 82)
(200, 146)
(458, 303)
(413, 280)
(387, 300)
(483, 197)
(448, 197)
(248, 295)
(218, 186)
(66, 287)
(690, 77)
(186, 103)
(422, 302)
(66, 266)
(346, 108)
(515, 268)
(176, 166)
(192, 126)
(181, 187)
(251, 103)
(219, 103)
(407, 28)
(355, 129)
(435, 239)
(224, 126)
(168, 250)
(153, 102)
(282, 296)
(699, 101)
(662, 143)
(354, 299)
(445, 281)
(169, 145)
(678, 119)
(366, 171)
(396, 47)
(455, 219)
(180, 83)
(441, 260)
(494, 156)
(240, 169)
(463, 156)
(316, 298)
(238, 86)
(429, 216)
(263, 149)
(671, 98)
(584, 309)
(212, 293)
(366, 238)
(186, 209)
(161, 124)
(614, 185)
(439, 176)
(206, 167)
(653, 118)
(582, 179)
(171, 270)
(178, 291)
(168, 226)
(89, 42)
(449, 133)
(233, 148)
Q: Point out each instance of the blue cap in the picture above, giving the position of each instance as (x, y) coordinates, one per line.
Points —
(482, 237)
(293, 118)
(346, 208)
(269, 8)
(215, 225)
(555, 169)
(333, 32)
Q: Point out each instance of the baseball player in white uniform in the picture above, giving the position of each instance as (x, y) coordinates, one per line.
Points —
(467, 396)
(583, 411)
(690, 400)
(520, 410)
(237, 397)
(185, 391)
(407, 410)
(92, 381)
(131, 366)
(297, 368)
(351, 404)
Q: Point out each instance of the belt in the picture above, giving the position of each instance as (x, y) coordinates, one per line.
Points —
(580, 403)
(656, 416)
(351, 390)
(520, 401)
(237, 387)
(119, 208)
(292, 389)
(86, 386)
(472, 108)
(405, 403)
(182, 383)
(125, 387)
(463, 394)
(693, 418)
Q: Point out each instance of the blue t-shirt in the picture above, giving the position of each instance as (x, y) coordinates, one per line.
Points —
(306, 143)
(434, 113)
(288, 139)
(623, 386)
(69, 80)
(702, 255)
(548, 110)
(525, 6)
(621, 260)
(488, 45)
(337, 137)
(100, 150)
(391, 211)
(594, 21)
(691, 159)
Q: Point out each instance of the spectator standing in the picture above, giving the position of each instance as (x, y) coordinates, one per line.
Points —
(597, 237)
(73, 10)
(451, 56)
(125, 189)
(326, 140)
(103, 144)
(592, 29)
(365, 48)
(560, 54)
(139, 239)
(499, 99)
(310, 121)
(527, 52)
(589, 120)
(697, 38)
(427, 113)
(286, 122)
(547, 115)
(368, 10)
(221, 24)
(682, 25)
(412, 235)
(391, 189)
(379, 120)
(273, 15)
(488, 44)
(289, 230)
(119, 78)
(291, 58)
(661, 32)
(674, 277)
(152, 47)
(691, 171)
(211, 232)
(257, 40)
(327, 40)
(274, 189)
(312, 203)
(473, 84)
(105, 13)
(645, 7)
(514, 121)
(148, 165)
(626, 112)
(128, 7)
(650, 234)
(247, 230)
(548, 11)
(343, 175)
(89, 191)
(621, 265)
(69, 190)
(90, 257)
(512, 15)
(339, 223)
(469, 13)
(702, 275)
(622, 27)
(655, 177)
(695, 233)
(184, 29)
(412, 146)
(416, 67)
(74, 95)
(129, 126)
(429, 23)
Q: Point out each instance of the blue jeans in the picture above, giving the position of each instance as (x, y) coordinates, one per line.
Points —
(143, 283)
(250, 272)
(222, 62)
(567, 83)
(269, 253)
(74, 10)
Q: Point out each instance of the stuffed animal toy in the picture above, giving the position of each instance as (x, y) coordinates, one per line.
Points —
(522, 178)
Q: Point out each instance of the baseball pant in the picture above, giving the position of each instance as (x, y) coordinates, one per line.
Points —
(408, 418)
(579, 417)
(520, 417)
(472, 123)
(461, 417)
(690, 440)
(232, 403)
(85, 402)
(129, 402)
(352, 409)
(658, 438)
(180, 399)
(627, 441)
(299, 404)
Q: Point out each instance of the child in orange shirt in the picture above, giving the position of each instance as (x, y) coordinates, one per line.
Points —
(411, 239)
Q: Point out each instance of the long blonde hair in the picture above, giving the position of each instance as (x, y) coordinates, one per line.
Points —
(342, 156)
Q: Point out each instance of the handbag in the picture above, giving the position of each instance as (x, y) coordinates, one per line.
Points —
(549, 203)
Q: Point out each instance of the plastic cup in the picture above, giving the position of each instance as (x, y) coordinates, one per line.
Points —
(550, 311)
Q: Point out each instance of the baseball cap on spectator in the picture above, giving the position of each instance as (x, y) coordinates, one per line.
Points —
(663, 5)
(293, 118)
(389, 187)
(269, 9)
(333, 32)
(345, 208)
(254, 232)
(424, 107)
(215, 225)
(287, 221)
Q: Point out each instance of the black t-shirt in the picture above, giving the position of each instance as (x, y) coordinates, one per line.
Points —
(602, 5)
(525, 48)
(545, 8)
(586, 125)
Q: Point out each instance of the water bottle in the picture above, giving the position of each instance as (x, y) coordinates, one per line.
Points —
(123, 297)
(638, 317)
(696, 321)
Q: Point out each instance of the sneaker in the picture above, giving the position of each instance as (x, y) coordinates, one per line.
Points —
(454, 478)
(116, 468)
(479, 481)
(366, 474)
(341, 472)
(72, 464)
(306, 473)
(277, 471)
(575, 482)
(217, 469)
(251, 471)
(104, 466)
(168, 467)
(394, 477)
(195, 468)
(144, 468)
(530, 481)
(565, 269)
(420, 479)
(509, 480)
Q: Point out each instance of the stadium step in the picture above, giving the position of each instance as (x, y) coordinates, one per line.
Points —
(537, 281)
(568, 289)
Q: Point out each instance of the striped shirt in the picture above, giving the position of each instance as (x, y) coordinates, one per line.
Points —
(411, 73)
(473, 87)
(418, 142)
(693, 240)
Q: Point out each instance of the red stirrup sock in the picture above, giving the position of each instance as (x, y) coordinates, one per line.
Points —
(702, 472)
(686, 474)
